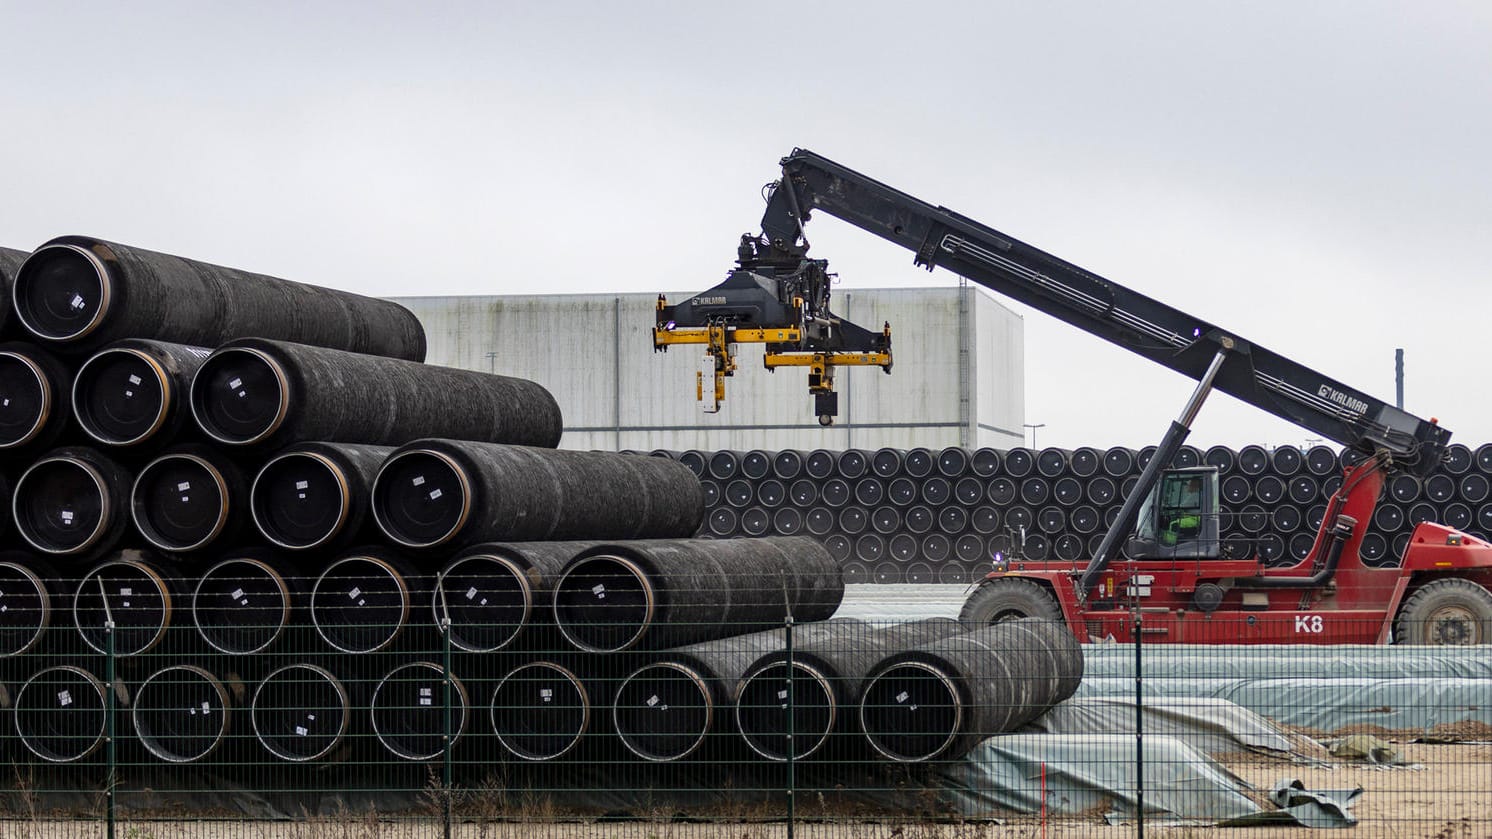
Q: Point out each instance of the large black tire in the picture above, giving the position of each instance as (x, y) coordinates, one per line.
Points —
(1008, 598)
(1445, 612)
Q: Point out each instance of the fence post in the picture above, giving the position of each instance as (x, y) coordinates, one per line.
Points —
(110, 707)
(1139, 725)
(792, 781)
(445, 667)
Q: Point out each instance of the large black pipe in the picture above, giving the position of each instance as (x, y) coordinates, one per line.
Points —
(969, 491)
(1303, 489)
(1440, 488)
(1067, 491)
(190, 498)
(316, 495)
(936, 547)
(770, 492)
(919, 463)
(1019, 462)
(29, 590)
(886, 463)
(787, 464)
(953, 520)
(819, 464)
(756, 521)
(541, 710)
(828, 663)
(870, 548)
(1051, 462)
(1119, 462)
(661, 593)
(409, 711)
(34, 404)
(939, 699)
(787, 521)
(245, 603)
(756, 464)
(301, 713)
(82, 293)
(903, 547)
(72, 503)
(986, 462)
(1222, 457)
(61, 714)
(724, 465)
(1253, 460)
(361, 603)
(1474, 488)
(1482, 457)
(135, 594)
(135, 393)
(441, 492)
(852, 464)
(953, 462)
(182, 713)
(10, 262)
(803, 493)
(1457, 460)
(492, 592)
(853, 521)
(269, 394)
(668, 709)
(968, 549)
(1322, 461)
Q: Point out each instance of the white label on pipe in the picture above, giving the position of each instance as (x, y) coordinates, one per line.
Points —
(64, 698)
(206, 708)
(126, 592)
(235, 384)
(67, 516)
(471, 593)
(419, 480)
(183, 486)
(301, 730)
(302, 485)
(600, 591)
(435, 494)
(901, 697)
(237, 594)
(353, 595)
(77, 301)
(134, 380)
(546, 694)
(652, 700)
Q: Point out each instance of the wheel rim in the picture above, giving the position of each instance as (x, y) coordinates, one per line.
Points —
(1453, 626)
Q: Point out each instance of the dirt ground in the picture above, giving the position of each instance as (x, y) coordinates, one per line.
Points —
(1450, 797)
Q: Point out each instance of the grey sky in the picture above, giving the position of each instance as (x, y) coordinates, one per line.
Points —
(1314, 176)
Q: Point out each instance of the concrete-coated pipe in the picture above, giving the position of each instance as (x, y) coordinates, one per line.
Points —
(919, 463)
(1300, 545)
(1420, 513)
(1051, 520)
(1119, 462)
(1322, 461)
(28, 592)
(940, 698)
(756, 464)
(984, 520)
(1253, 460)
(493, 592)
(1252, 518)
(317, 495)
(34, 402)
(182, 713)
(695, 461)
(541, 710)
(361, 603)
(819, 521)
(409, 713)
(190, 498)
(886, 463)
(936, 491)
(953, 462)
(61, 714)
(135, 393)
(270, 394)
(135, 594)
(1084, 462)
(245, 603)
(1067, 547)
(432, 493)
(986, 462)
(81, 293)
(651, 594)
(300, 713)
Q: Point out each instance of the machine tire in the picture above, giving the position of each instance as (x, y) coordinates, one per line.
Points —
(1448, 611)
(1008, 598)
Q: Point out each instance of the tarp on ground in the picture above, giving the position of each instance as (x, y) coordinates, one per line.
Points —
(1211, 726)
(1288, 661)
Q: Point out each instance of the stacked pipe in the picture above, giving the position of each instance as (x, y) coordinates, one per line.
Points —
(921, 515)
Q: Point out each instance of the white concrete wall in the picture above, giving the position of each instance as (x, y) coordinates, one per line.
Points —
(594, 352)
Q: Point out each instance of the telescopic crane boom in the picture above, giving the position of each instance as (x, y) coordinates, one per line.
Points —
(1214, 357)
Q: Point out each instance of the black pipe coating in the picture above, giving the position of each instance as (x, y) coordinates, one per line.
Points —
(244, 604)
(540, 710)
(190, 498)
(409, 711)
(255, 392)
(34, 404)
(182, 713)
(82, 293)
(300, 713)
(492, 592)
(133, 593)
(939, 699)
(61, 714)
(438, 492)
(72, 503)
(317, 495)
(361, 603)
(830, 661)
(662, 593)
(28, 591)
(10, 263)
(134, 393)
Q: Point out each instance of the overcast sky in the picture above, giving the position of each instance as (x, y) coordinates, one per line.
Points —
(1316, 177)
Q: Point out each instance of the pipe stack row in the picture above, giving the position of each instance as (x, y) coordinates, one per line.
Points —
(289, 540)
(921, 515)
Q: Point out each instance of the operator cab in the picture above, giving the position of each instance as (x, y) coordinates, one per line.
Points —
(1180, 518)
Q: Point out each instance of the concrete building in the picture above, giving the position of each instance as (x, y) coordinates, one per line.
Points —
(958, 375)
